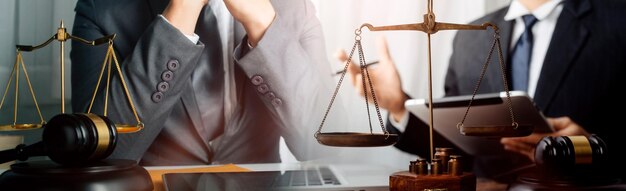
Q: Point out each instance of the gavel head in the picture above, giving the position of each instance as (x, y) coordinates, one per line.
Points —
(78, 138)
(571, 151)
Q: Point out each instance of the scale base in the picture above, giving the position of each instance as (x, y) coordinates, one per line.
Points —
(405, 180)
(123, 175)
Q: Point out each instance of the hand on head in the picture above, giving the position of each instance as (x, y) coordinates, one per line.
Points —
(384, 77)
(183, 14)
(255, 16)
(563, 126)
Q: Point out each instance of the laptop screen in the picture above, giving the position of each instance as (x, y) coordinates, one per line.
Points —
(269, 180)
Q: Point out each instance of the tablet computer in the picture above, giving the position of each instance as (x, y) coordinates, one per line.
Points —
(285, 177)
(487, 109)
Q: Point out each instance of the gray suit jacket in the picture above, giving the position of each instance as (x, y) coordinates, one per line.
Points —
(281, 85)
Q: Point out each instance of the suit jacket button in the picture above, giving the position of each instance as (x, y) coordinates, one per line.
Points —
(157, 97)
(277, 102)
(163, 86)
(263, 88)
(257, 80)
(173, 65)
(270, 95)
(167, 75)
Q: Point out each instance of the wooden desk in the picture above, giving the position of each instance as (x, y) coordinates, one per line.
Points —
(156, 173)
(483, 184)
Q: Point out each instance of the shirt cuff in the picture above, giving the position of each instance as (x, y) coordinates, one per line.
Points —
(249, 45)
(194, 38)
(400, 125)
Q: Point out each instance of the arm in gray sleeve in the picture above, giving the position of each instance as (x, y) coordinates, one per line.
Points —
(291, 60)
(161, 48)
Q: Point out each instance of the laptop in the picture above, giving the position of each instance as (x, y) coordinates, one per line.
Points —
(276, 176)
(487, 109)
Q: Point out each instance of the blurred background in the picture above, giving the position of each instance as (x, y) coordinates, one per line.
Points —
(31, 22)
(408, 49)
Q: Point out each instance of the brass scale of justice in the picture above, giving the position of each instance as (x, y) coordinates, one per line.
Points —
(107, 65)
(428, 26)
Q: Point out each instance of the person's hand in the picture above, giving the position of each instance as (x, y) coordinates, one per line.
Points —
(255, 16)
(385, 79)
(183, 14)
(563, 126)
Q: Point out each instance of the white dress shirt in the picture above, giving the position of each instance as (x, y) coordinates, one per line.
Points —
(547, 16)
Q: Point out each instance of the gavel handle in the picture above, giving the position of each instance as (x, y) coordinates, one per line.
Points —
(8, 155)
(22, 152)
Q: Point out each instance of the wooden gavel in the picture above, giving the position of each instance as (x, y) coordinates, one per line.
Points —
(70, 139)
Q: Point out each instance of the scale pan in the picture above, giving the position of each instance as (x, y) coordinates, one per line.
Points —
(18, 127)
(497, 131)
(349, 139)
(125, 128)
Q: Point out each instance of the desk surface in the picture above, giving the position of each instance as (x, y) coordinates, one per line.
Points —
(257, 167)
(157, 171)
(252, 167)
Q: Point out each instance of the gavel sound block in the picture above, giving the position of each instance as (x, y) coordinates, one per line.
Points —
(78, 145)
(571, 163)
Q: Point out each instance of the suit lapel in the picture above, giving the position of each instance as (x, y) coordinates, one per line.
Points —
(191, 106)
(494, 73)
(506, 28)
(568, 38)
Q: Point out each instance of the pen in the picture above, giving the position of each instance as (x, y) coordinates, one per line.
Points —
(366, 65)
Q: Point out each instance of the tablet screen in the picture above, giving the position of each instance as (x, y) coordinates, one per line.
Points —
(220, 181)
(487, 109)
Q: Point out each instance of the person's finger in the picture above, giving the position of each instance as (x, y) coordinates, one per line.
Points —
(367, 85)
(511, 148)
(354, 68)
(506, 141)
(373, 75)
(531, 139)
(370, 85)
(352, 71)
(559, 123)
(518, 143)
(358, 84)
(530, 154)
(519, 147)
(383, 50)
(341, 56)
(363, 88)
